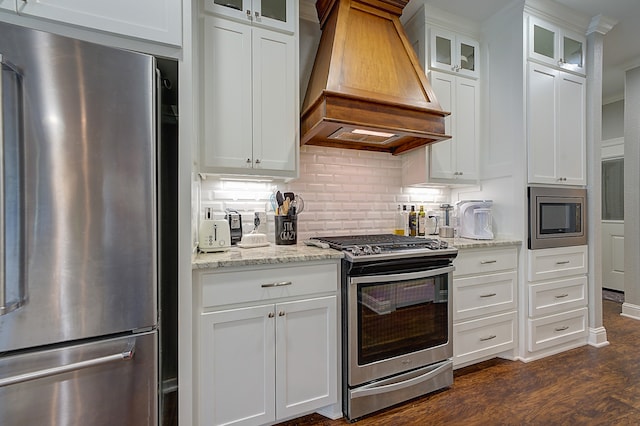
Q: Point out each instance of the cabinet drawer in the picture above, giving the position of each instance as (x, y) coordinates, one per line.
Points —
(557, 329)
(558, 262)
(483, 337)
(557, 296)
(485, 261)
(484, 294)
(226, 288)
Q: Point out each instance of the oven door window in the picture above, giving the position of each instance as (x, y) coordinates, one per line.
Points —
(402, 317)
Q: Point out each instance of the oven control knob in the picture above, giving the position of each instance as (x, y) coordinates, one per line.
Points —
(377, 249)
(367, 249)
(356, 250)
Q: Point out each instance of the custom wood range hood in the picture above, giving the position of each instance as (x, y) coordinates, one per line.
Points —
(367, 89)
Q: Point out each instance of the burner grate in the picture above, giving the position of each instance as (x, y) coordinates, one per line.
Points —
(388, 241)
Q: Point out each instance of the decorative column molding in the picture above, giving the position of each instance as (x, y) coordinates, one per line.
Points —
(601, 24)
(597, 333)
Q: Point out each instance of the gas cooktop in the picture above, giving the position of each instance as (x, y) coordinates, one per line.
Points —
(387, 245)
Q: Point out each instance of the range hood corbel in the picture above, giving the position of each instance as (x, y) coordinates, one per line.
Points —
(367, 89)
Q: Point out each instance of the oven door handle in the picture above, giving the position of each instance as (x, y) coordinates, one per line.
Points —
(383, 278)
(380, 387)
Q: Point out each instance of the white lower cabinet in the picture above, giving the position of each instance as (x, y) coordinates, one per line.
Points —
(273, 357)
(556, 294)
(484, 304)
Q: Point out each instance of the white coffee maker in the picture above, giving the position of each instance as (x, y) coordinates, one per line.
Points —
(475, 220)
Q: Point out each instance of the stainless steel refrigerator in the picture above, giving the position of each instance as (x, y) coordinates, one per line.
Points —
(78, 232)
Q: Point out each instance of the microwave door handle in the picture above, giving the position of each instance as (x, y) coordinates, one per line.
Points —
(8, 301)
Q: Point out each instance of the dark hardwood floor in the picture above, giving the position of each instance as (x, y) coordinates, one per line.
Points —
(584, 386)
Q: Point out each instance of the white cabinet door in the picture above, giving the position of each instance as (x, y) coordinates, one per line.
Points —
(541, 123)
(443, 164)
(306, 356)
(156, 20)
(272, 14)
(250, 112)
(571, 132)
(467, 128)
(556, 46)
(556, 126)
(236, 366)
(9, 5)
(456, 158)
(228, 125)
(274, 99)
(453, 53)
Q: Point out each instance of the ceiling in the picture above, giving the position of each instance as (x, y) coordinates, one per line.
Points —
(621, 49)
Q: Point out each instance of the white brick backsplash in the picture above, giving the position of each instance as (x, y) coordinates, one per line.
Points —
(345, 192)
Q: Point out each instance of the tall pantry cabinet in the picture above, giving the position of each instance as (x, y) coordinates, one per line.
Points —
(250, 115)
(537, 111)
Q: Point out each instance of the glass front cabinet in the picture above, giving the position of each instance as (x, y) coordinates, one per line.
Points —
(454, 53)
(556, 46)
(273, 14)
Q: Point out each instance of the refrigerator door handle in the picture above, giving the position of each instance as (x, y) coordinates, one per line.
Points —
(6, 305)
(125, 355)
(3, 285)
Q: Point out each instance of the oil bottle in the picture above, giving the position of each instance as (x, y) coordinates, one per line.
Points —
(422, 222)
(413, 222)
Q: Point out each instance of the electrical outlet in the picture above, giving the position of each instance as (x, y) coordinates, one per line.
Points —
(208, 213)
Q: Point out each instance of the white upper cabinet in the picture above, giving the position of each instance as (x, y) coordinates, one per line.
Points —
(8, 5)
(156, 20)
(454, 53)
(556, 46)
(556, 103)
(250, 110)
(456, 158)
(273, 14)
(453, 161)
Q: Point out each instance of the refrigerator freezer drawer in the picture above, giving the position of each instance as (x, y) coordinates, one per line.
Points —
(104, 382)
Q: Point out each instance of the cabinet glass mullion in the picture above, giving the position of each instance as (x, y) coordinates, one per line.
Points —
(443, 50)
(544, 42)
(275, 9)
(572, 51)
(467, 57)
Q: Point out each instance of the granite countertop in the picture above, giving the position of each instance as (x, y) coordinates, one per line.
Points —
(466, 243)
(274, 254)
(271, 254)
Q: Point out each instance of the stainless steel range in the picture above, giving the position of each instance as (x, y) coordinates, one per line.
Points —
(397, 319)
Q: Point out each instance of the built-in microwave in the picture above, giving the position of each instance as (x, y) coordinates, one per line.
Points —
(557, 217)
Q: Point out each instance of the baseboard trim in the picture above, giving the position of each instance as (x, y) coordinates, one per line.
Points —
(630, 311)
(598, 337)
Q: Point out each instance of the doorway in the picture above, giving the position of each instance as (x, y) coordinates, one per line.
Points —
(613, 214)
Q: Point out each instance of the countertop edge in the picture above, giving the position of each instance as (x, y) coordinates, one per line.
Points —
(268, 255)
(466, 243)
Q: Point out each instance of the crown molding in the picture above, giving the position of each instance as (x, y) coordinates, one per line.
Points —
(601, 24)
